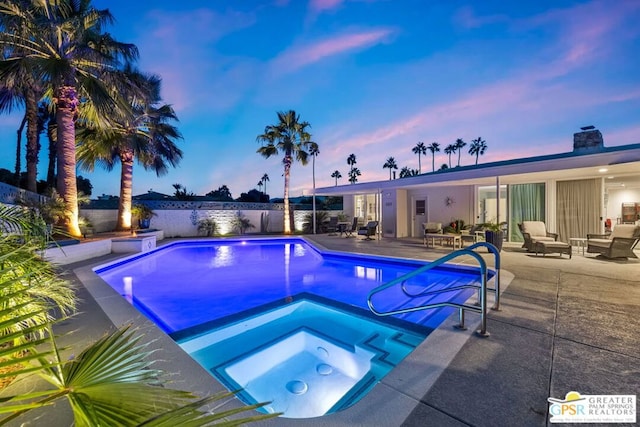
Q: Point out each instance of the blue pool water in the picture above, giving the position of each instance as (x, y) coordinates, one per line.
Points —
(223, 300)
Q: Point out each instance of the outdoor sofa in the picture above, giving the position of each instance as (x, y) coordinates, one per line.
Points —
(619, 244)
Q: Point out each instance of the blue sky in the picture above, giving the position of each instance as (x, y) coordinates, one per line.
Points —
(373, 78)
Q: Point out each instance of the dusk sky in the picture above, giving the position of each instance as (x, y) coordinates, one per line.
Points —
(373, 78)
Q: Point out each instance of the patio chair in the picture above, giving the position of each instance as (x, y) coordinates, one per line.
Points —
(474, 234)
(354, 227)
(430, 228)
(533, 232)
(332, 226)
(368, 230)
(619, 244)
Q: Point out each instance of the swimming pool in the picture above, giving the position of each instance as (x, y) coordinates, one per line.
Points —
(197, 288)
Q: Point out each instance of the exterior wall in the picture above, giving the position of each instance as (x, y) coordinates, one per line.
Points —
(395, 213)
(461, 205)
(9, 193)
(184, 222)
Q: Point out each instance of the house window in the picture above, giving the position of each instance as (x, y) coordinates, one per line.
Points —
(421, 207)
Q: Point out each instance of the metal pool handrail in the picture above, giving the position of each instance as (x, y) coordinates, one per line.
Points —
(482, 309)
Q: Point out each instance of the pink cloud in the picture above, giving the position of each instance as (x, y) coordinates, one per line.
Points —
(466, 18)
(322, 5)
(307, 54)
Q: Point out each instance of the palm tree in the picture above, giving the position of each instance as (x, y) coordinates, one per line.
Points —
(146, 135)
(64, 43)
(264, 180)
(22, 87)
(260, 184)
(459, 146)
(336, 174)
(111, 382)
(406, 172)
(390, 164)
(351, 160)
(313, 152)
(354, 173)
(420, 149)
(477, 147)
(434, 147)
(449, 150)
(289, 137)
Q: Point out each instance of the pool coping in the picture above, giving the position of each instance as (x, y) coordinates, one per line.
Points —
(390, 401)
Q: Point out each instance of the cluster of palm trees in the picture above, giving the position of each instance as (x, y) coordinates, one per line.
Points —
(477, 148)
(263, 182)
(60, 64)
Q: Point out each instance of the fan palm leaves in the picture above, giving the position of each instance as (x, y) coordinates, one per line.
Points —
(64, 45)
(288, 137)
(351, 160)
(434, 147)
(354, 173)
(421, 150)
(390, 164)
(146, 135)
(336, 174)
(478, 147)
(111, 382)
(459, 145)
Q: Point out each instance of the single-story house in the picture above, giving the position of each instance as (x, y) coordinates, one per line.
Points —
(574, 193)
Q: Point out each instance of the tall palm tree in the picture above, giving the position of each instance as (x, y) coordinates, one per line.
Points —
(64, 43)
(264, 180)
(390, 164)
(260, 184)
(336, 174)
(354, 173)
(421, 150)
(21, 87)
(449, 150)
(289, 137)
(145, 135)
(459, 146)
(478, 147)
(313, 152)
(351, 161)
(434, 147)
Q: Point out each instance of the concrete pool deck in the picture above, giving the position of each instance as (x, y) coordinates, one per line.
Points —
(565, 325)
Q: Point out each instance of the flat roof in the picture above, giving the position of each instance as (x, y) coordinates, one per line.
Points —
(621, 163)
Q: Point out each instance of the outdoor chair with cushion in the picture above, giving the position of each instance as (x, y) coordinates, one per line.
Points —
(431, 228)
(535, 231)
(619, 244)
(354, 227)
(474, 234)
(368, 230)
(332, 226)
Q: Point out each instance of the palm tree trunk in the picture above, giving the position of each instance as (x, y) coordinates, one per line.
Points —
(126, 184)
(419, 164)
(287, 172)
(32, 138)
(66, 108)
(19, 150)
(433, 161)
(51, 168)
(313, 174)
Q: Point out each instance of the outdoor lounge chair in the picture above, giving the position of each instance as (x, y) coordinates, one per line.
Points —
(368, 230)
(619, 244)
(535, 231)
(474, 234)
(354, 227)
